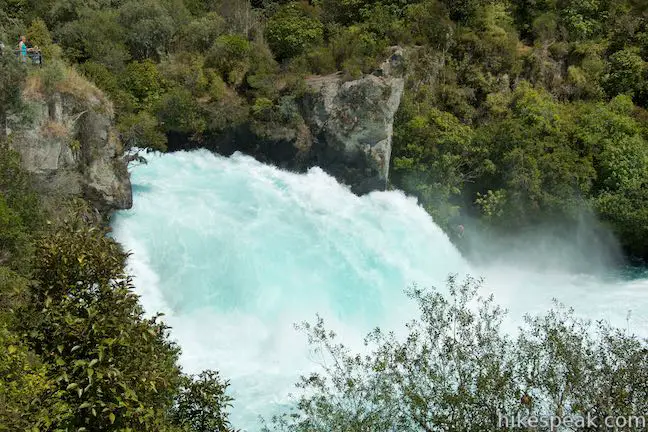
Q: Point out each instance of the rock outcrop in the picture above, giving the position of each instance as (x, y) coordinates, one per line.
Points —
(67, 140)
(344, 127)
(351, 124)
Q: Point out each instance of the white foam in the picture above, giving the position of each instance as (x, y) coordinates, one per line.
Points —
(235, 252)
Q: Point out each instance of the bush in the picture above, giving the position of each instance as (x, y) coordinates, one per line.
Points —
(178, 111)
(108, 82)
(230, 56)
(355, 50)
(148, 28)
(291, 32)
(111, 367)
(96, 35)
(202, 403)
(457, 370)
(187, 70)
(627, 73)
(319, 61)
(430, 24)
(39, 35)
(22, 385)
(142, 81)
(20, 211)
(199, 34)
(142, 131)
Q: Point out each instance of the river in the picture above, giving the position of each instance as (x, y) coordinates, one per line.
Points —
(235, 252)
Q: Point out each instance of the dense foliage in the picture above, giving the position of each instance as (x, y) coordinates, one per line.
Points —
(76, 351)
(515, 112)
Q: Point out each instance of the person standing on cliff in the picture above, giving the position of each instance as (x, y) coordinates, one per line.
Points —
(22, 47)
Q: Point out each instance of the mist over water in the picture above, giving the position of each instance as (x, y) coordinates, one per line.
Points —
(235, 252)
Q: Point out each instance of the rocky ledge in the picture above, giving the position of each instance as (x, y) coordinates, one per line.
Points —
(345, 128)
(67, 140)
(351, 124)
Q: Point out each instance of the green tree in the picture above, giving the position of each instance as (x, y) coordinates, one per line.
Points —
(178, 111)
(199, 34)
(230, 56)
(109, 82)
(148, 28)
(582, 18)
(291, 31)
(431, 24)
(431, 160)
(142, 81)
(23, 383)
(96, 35)
(536, 164)
(202, 403)
(40, 36)
(464, 10)
(113, 368)
(20, 212)
(142, 131)
(621, 153)
(627, 73)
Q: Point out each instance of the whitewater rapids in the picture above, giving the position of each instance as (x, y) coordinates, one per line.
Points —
(235, 252)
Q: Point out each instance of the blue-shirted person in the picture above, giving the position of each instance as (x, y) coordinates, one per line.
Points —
(22, 47)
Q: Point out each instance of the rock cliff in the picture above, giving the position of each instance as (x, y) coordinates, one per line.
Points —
(344, 127)
(66, 137)
(351, 124)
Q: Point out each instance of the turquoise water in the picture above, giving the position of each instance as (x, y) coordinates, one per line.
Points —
(235, 252)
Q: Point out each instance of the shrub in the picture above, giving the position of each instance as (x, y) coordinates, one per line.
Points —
(111, 367)
(142, 131)
(39, 35)
(230, 55)
(143, 81)
(291, 32)
(456, 370)
(178, 111)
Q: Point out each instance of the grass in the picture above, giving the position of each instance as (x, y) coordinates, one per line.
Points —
(41, 83)
(53, 129)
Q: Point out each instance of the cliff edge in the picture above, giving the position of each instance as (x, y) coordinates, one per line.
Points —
(344, 127)
(66, 137)
(351, 124)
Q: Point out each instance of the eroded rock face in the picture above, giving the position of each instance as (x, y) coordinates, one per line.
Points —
(70, 145)
(352, 124)
(344, 127)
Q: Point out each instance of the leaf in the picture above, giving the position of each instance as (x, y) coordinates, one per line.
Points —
(111, 417)
(12, 349)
